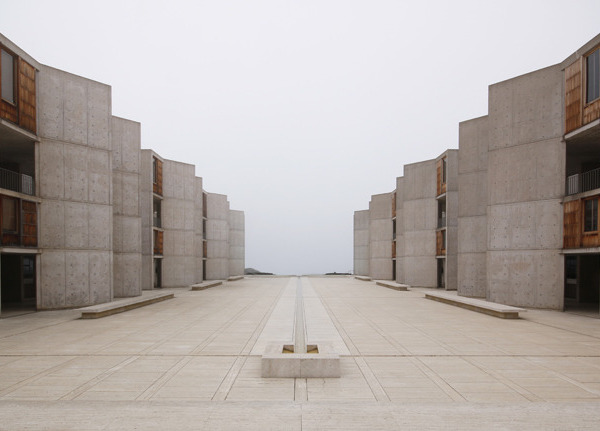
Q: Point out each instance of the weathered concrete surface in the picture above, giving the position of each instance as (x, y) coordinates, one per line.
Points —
(419, 223)
(217, 236)
(178, 217)
(380, 237)
(472, 207)
(361, 242)
(75, 183)
(237, 245)
(127, 221)
(526, 173)
(190, 363)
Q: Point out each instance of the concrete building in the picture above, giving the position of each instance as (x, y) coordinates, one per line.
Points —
(411, 232)
(85, 214)
(518, 215)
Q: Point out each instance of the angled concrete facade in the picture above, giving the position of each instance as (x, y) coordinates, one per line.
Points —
(412, 230)
(361, 242)
(75, 185)
(472, 208)
(86, 215)
(127, 220)
(380, 237)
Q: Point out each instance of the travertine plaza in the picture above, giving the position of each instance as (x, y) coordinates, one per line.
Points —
(194, 362)
(93, 227)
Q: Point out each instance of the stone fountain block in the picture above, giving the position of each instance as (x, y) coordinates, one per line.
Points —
(325, 363)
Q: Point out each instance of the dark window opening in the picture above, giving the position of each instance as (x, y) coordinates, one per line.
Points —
(441, 213)
(157, 273)
(593, 76)
(156, 213)
(9, 215)
(441, 263)
(590, 223)
(154, 171)
(444, 170)
(7, 62)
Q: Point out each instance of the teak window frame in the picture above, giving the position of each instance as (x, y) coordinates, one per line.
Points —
(595, 214)
(15, 77)
(16, 214)
(585, 79)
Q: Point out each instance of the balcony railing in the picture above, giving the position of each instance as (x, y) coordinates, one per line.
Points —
(16, 182)
(584, 182)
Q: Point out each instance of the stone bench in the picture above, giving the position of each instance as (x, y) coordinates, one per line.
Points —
(362, 277)
(392, 285)
(206, 284)
(235, 278)
(125, 304)
(479, 305)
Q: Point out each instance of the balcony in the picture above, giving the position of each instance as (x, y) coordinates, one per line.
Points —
(16, 182)
(583, 182)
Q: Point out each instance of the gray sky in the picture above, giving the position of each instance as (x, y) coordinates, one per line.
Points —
(299, 110)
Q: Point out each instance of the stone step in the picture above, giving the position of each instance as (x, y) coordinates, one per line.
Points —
(235, 278)
(392, 285)
(362, 277)
(206, 284)
(125, 304)
(481, 306)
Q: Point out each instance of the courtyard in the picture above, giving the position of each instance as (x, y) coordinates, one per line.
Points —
(194, 362)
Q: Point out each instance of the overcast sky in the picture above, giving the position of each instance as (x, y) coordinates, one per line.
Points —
(299, 110)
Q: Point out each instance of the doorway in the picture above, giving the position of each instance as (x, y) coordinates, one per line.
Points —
(157, 273)
(18, 285)
(582, 284)
(441, 277)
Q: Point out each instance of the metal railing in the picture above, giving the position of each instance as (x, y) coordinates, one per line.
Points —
(17, 182)
(583, 182)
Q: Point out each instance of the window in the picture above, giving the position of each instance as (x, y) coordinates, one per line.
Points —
(154, 171)
(9, 215)
(444, 170)
(593, 76)
(8, 76)
(156, 213)
(590, 222)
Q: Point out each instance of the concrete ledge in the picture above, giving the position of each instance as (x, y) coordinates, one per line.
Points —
(235, 278)
(125, 304)
(362, 277)
(275, 363)
(479, 305)
(392, 285)
(206, 284)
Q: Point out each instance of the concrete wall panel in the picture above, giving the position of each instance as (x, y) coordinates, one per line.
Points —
(53, 280)
(472, 274)
(524, 226)
(472, 234)
(52, 224)
(420, 271)
(528, 172)
(526, 278)
(100, 267)
(77, 283)
(472, 198)
(52, 170)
